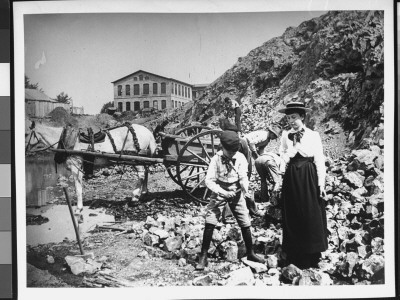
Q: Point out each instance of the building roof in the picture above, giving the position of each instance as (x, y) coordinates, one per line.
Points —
(200, 86)
(141, 71)
(36, 95)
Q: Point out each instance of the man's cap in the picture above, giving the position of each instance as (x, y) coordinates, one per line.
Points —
(275, 129)
(230, 140)
(294, 106)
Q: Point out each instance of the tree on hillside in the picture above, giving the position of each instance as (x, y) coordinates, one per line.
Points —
(106, 106)
(63, 98)
(29, 85)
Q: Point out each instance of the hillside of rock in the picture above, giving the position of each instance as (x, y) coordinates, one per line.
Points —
(333, 63)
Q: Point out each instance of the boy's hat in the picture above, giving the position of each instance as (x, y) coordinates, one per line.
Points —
(275, 129)
(230, 140)
(295, 105)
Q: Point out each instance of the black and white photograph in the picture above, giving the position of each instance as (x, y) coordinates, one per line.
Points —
(205, 149)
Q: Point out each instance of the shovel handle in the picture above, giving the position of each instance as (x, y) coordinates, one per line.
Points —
(73, 220)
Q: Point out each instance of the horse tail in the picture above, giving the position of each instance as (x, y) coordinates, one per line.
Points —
(67, 141)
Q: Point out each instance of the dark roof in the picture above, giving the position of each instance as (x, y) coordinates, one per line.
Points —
(150, 74)
(32, 94)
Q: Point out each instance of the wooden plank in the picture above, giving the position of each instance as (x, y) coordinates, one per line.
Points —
(122, 157)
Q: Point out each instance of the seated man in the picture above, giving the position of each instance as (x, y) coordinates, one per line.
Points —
(270, 167)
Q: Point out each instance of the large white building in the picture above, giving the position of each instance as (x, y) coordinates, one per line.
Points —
(142, 89)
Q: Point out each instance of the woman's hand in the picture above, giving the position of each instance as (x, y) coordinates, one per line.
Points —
(322, 193)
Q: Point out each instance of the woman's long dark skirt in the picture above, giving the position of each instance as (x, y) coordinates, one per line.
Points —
(304, 215)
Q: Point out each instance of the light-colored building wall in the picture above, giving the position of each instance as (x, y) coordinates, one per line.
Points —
(176, 93)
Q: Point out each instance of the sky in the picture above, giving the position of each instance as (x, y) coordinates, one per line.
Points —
(81, 54)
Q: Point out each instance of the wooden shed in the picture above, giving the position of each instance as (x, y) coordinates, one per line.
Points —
(38, 104)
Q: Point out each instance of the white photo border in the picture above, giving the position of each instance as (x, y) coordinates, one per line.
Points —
(202, 6)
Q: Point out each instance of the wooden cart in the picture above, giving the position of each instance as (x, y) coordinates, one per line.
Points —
(186, 156)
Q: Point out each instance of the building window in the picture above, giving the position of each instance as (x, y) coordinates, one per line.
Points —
(136, 89)
(176, 103)
(145, 89)
(155, 88)
(176, 90)
(189, 93)
(140, 77)
(163, 88)
(185, 91)
(135, 78)
(136, 106)
(179, 89)
(146, 104)
(155, 104)
(128, 106)
(163, 104)
(120, 90)
(173, 103)
(127, 90)
(146, 78)
(119, 106)
(172, 88)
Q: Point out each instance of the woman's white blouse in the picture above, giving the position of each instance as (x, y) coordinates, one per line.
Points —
(309, 146)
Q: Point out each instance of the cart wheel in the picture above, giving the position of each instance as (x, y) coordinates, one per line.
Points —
(184, 132)
(193, 161)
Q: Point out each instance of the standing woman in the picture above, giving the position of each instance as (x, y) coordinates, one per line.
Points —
(303, 190)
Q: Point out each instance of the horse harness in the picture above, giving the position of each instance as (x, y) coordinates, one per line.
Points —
(99, 137)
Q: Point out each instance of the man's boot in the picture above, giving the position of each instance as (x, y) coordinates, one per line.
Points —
(248, 241)
(207, 236)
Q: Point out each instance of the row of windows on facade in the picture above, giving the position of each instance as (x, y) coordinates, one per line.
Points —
(146, 104)
(176, 89)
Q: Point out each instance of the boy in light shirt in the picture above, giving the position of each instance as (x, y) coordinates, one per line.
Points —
(227, 179)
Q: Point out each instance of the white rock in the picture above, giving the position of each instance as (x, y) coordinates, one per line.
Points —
(243, 276)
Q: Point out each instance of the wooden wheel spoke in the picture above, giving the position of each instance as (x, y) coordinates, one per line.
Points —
(190, 173)
(205, 193)
(199, 157)
(195, 165)
(197, 185)
(191, 176)
(204, 149)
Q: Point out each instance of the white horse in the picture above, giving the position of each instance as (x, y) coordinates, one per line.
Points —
(128, 139)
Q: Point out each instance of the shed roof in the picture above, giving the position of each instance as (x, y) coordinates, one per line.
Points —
(35, 95)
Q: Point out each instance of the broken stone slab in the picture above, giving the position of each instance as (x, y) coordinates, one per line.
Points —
(354, 179)
(351, 259)
(373, 264)
(291, 272)
(143, 254)
(50, 259)
(235, 233)
(272, 280)
(79, 265)
(272, 261)
(205, 280)
(173, 243)
(365, 158)
(230, 250)
(182, 262)
(243, 276)
(377, 245)
(255, 266)
(161, 233)
(150, 222)
(150, 239)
